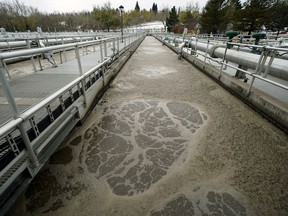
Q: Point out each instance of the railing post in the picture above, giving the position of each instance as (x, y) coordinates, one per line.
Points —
(81, 73)
(105, 49)
(31, 154)
(94, 49)
(206, 53)
(250, 86)
(65, 56)
(101, 51)
(125, 41)
(196, 43)
(13, 107)
(118, 47)
(7, 91)
(259, 62)
(32, 58)
(273, 54)
(113, 44)
(263, 62)
(7, 71)
(38, 58)
(224, 57)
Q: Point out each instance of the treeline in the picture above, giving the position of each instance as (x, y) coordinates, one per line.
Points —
(217, 17)
(16, 16)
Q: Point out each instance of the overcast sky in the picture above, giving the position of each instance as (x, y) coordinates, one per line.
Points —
(80, 5)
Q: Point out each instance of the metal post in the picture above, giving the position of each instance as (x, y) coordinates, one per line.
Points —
(251, 84)
(125, 43)
(7, 92)
(196, 47)
(224, 57)
(39, 58)
(94, 50)
(5, 67)
(82, 46)
(121, 15)
(118, 47)
(65, 56)
(269, 64)
(259, 62)
(263, 62)
(31, 154)
(32, 58)
(81, 73)
(78, 60)
(113, 44)
(105, 49)
(101, 51)
(206, 53)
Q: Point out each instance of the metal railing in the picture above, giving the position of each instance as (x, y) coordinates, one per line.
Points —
(26, 141)
(263, 60)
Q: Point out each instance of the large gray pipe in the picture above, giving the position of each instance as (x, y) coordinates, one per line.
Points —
(279, 67)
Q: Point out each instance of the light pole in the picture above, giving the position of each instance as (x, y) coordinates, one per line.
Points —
(121, 15)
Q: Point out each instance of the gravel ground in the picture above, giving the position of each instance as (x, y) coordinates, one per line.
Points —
(165, 140)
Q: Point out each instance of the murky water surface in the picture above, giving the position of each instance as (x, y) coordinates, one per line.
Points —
(135, 143)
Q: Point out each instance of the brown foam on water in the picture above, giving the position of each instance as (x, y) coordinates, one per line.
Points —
(135, 143)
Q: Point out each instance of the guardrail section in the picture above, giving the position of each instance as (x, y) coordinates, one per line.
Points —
(28, 140)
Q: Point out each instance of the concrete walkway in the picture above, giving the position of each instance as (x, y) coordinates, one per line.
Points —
(31, 87)
(164, 140)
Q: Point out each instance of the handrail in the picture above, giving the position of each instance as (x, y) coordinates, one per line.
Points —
(31, 136)
(33, 51)
(267, 55)
(28, 113)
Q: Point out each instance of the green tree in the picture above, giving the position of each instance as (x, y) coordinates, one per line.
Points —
(106, 17)
(278, 18)
(213, 16)
(137, 8)
(254, 14)
(190, 16)
(231, 14)
(172, 20)
(154, 8)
